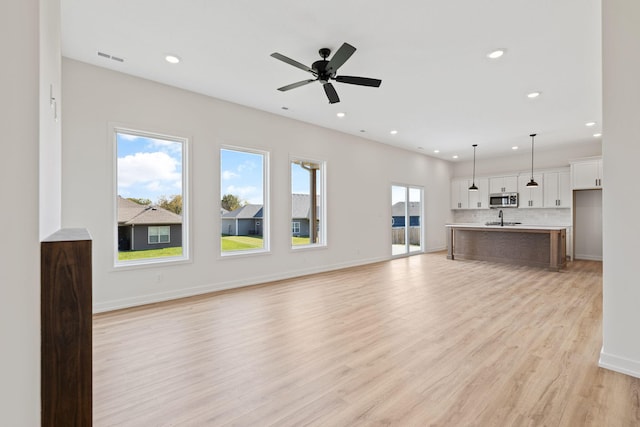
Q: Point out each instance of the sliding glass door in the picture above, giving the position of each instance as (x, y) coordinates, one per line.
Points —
(406, 219)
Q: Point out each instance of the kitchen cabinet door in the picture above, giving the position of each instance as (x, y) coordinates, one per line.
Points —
(460, 194)
(503, 184)
(479, 199)
(557, 190)
(531, 197)
(586, 174)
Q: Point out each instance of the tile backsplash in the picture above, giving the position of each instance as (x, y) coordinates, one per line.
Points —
(534, 216)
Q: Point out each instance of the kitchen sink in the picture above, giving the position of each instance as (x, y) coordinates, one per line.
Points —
(505, 223)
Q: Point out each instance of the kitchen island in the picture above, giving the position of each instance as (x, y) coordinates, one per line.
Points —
(533, 245)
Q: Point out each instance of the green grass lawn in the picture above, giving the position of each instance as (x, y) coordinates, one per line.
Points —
(229, 243)
(295, 241)
(239, 243)
(152, 253)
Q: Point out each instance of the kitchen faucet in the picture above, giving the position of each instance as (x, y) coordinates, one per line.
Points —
(500, 215)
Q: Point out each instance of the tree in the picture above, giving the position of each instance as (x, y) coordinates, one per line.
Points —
(139, 201)
(231, 202)
(173, 204)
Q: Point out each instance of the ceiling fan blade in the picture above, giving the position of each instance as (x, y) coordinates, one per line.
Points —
(331, 93)
(292, 62)
(295, 85)
(362, 81)
(340, 57)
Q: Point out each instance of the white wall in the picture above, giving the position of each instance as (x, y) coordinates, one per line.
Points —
(359, 176)
(520, 161)
(19, 255)
(50, 181)
(621, 151)
(587, 208)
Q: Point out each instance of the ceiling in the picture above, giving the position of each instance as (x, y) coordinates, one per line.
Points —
(439, 90)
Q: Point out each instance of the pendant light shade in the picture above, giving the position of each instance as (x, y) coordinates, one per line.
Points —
(532, 183)
(473, 182)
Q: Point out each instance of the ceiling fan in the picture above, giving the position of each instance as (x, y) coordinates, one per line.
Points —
(325, 70)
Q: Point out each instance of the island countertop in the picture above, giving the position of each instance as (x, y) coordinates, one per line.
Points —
(508, 227)
(535, 245)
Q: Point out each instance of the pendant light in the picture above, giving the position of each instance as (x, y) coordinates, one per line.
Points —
(473, 182)
(532, 183)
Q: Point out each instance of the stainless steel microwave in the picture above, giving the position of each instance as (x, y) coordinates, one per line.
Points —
(503, 200)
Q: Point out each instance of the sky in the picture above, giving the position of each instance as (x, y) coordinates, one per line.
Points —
(242, 176)
(148, 167)
(152, 167)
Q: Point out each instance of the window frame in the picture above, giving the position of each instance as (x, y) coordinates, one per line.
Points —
(265, 222)
(114, 130)
(322, 185)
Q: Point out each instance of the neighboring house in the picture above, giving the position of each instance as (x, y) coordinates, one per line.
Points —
(398, 214)
(244, 221)
(300, 214)
(142, 227)
(248, 220)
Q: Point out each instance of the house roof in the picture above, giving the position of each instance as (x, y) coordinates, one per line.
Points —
(132, 213)
(245, 212)
(300, 205)
(397, 209)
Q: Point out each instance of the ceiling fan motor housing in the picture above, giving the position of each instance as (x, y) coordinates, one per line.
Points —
(321, 68)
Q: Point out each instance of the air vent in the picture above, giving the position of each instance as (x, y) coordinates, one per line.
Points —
(106, 55)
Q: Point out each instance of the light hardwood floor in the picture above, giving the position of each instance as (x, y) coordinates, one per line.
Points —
(412, 342)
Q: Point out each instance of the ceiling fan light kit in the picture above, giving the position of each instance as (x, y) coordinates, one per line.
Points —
(326, 70)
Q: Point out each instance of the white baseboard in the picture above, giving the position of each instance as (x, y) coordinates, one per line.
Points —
(105, 306)
(587, 257)
(619, 364)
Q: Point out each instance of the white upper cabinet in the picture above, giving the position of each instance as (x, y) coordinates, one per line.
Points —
(530, 197)
(557, 189)
(503, 184)
(586, 174)
(460, 194)
(462, 198)
(479, 199)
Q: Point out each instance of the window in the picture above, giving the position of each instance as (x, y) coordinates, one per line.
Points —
(243, 189)
(150, 202)
(406, 219)
(159, 234)
(308, 204)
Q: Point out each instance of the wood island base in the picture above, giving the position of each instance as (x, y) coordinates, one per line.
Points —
(532, 246)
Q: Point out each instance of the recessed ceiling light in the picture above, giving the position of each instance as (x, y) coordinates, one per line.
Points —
(496, 53)
(341, 114)
(394, 132)
(285, 108)
(436, 151)
(597, 135)
(455, 156)
(420, 148)
(589, 124)
(172, 59)
(515, 147)
(362, 130)
(533, 94)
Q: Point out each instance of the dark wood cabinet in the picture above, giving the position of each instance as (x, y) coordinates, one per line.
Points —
(66, 327)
